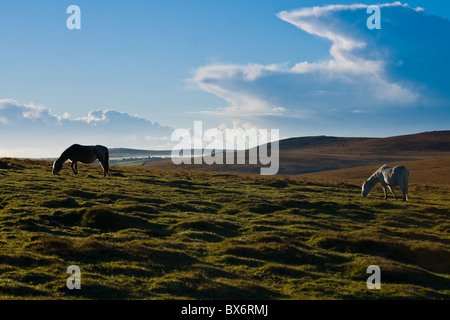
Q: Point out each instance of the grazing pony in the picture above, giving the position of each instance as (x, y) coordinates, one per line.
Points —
(388, 177)
(84, 154)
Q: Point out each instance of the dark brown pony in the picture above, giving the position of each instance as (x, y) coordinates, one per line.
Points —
(84, 154)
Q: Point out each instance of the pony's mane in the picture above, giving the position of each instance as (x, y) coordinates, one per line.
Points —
(373, 179)
(64, 156)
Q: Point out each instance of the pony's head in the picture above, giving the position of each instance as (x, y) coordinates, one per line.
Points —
(57, 166)
(365, 189)
(368, 185)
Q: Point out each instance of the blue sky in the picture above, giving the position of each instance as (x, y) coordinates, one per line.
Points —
(137, 70)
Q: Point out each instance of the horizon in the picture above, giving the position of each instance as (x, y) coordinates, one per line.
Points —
(53, 157)
(133, 74)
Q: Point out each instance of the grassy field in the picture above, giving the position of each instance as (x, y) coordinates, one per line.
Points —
(155, 234)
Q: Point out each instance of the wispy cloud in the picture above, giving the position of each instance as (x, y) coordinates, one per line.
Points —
(229, 81)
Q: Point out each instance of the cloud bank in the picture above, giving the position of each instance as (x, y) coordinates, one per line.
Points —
(25, 125)
(368, 71)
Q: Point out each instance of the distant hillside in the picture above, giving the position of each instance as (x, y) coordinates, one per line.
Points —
(318, 142)
(323, 153)
(427, 143)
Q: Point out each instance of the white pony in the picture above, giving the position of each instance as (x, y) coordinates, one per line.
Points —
(388, 177)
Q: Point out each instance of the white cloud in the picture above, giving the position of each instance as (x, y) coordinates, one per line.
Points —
(355, 77)
(244, 134)
(93, 117)
(12, 113)
(213, 79)
(32, 111)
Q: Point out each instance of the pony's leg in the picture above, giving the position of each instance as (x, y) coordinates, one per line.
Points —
(405, 193)
(402, 187)
(384, 185)
(385, 192)
(103, 164)
(106, 165)
(74, 166)
(392, 191)
(103, 158)
(103, 167)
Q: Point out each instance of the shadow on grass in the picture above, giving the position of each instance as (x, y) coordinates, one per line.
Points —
(195, 285)
(25, 261)
(395, 272)
(82, 194)
(98, 291)
(94, 251)
(64, 203)
(106, 219)
(433, 257)
(282, 253)
(220, 228)
(19, 290)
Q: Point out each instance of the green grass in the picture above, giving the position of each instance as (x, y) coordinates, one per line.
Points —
(191, 235)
